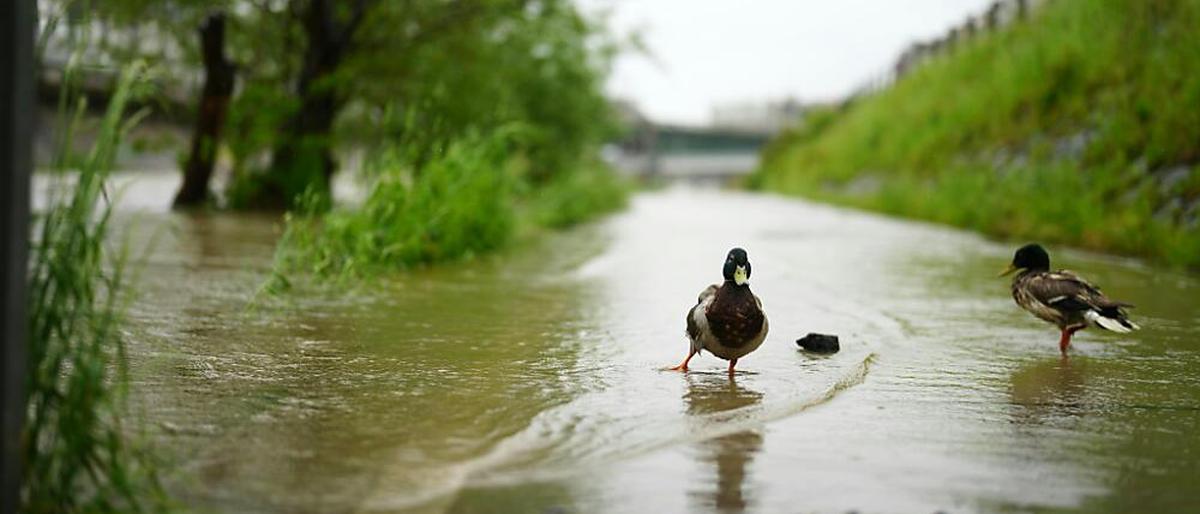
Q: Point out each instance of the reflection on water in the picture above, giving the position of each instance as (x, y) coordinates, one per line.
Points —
(1049, 388)
(730, 455)
(708, 393)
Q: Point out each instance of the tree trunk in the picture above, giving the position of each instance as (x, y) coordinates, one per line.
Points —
(210, 114)
(303, 158)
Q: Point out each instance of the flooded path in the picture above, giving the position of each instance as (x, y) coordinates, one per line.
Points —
(531, 382)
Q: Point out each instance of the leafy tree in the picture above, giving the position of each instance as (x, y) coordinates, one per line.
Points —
(317, 76)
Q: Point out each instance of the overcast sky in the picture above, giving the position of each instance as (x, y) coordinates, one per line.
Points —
(713, 52)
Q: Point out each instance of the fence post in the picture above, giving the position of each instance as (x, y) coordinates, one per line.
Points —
(993, 16)
(17, 21)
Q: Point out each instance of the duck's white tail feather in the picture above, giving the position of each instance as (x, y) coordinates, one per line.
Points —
(1116, 325)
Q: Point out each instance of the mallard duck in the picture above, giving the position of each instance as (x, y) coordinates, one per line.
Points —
(727, 319)
(1062, 297)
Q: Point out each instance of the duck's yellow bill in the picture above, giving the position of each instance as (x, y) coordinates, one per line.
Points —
(739, 275)
(1007, 270)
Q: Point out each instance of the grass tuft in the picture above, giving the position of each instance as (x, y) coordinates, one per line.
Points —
(459, 206)
(577, 196)
(472, 199)
(76, 454)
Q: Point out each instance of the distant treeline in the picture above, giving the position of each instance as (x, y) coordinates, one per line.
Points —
(284, 86)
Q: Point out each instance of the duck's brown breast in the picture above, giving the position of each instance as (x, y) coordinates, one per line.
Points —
(734, 316)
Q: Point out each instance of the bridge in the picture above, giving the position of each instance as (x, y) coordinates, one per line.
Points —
(658, 151)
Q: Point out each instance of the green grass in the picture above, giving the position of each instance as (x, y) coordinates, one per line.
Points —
(458, 207)
(471, 200)
(577, 196)
(978, 136)
(77, 455)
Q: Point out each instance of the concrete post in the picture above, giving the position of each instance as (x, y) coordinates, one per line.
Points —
(17, 21)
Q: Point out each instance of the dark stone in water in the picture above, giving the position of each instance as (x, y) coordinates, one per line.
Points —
(819, 343)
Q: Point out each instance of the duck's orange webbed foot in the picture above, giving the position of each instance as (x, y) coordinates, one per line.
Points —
(683, 365)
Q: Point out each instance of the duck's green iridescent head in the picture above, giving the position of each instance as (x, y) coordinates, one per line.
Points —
(1029, 257)
(737, 267)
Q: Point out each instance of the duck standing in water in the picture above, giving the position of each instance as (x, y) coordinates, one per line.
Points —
(1062, 297)
(727, 320)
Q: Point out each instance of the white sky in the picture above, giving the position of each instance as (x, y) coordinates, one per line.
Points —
(717, 52)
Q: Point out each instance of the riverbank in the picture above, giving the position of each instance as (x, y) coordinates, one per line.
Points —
(1078, 126)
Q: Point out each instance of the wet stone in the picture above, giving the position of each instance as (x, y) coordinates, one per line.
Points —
(819, 343)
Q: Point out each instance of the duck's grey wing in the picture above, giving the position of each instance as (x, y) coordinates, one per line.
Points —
(1077, 299)
(1069, 292)
(765, 327)
(693, 325)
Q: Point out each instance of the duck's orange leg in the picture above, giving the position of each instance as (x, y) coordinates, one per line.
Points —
(1065, 340)
(732, 363)
(683, 365)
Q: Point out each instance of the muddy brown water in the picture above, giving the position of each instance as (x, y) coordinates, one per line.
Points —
(530, 381)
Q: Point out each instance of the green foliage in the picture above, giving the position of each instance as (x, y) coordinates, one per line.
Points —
(75, 453)
(253, 122)
(469, 200)
(526, 74)
(572, 198)
(412, 84)
(418, 74)
(1054, 128)
(460, 205)
(539, 65)
(461, 68)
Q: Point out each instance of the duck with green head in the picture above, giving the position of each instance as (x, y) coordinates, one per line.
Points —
(727, 319)
(1063, 298)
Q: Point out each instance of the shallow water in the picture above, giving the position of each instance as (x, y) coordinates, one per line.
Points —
(532, 382)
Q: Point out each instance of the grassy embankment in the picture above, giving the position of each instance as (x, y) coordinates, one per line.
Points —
(1080, 125)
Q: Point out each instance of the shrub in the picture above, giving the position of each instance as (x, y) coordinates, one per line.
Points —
(460, 205)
